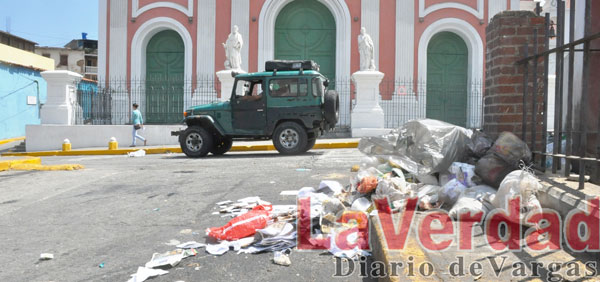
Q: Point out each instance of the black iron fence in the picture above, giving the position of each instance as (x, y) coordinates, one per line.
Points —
(572, 145)
(455, 102)
(163, 101)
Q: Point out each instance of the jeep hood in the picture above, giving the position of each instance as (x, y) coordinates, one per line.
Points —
(216, 106)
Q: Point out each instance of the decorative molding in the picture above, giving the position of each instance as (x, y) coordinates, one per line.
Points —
(136, 10)
(432, 8)
(205, 45)
(240, 16)
(266, 33)
(474, 45)
(405, 38)
(143, 35)
(369, 12)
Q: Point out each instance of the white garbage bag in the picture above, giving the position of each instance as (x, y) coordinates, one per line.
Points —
(472, 200)
(519, 183)
(451, 191)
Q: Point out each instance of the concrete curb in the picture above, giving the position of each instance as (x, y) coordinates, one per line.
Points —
(382, 253)
(171, 149)
(5, 141)
(8, 164)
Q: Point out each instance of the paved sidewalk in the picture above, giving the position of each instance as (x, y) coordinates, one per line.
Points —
(262, 145)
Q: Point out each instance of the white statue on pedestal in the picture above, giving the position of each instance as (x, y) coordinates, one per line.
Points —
(366, 50)
(233, 47)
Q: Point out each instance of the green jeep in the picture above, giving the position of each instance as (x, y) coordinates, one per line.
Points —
(286, 103)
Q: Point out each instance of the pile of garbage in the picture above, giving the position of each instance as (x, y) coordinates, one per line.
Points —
(447, 166)
(444, 165)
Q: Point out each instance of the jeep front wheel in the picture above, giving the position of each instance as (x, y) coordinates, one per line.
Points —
(290, 138)
(222, 145)
(196, 142)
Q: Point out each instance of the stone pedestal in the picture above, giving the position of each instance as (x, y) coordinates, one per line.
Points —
(367, 116)
(227, 83)
(62, 96)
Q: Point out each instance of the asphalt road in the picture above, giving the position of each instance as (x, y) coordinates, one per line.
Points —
(119, 211)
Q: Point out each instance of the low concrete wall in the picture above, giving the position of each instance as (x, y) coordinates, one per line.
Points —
(50, 137)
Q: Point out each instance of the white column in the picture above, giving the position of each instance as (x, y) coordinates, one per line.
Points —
(117, 69)
(205, 62)
(240, 16)
(62, 96)
(227, 81)
(118, 39)
(495, 7)
(515, 5)
(367, 116)
(405, 38)
(102, 14)
(369, 11)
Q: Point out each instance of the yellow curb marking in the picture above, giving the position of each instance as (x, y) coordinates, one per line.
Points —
(4, 141)
(9, 164)
(165, 150)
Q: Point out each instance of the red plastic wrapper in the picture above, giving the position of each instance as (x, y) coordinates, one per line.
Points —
(243, 225)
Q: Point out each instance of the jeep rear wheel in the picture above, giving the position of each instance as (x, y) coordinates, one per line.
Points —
(290, 138)
(222, 145)
(195, 142)
(331, 107)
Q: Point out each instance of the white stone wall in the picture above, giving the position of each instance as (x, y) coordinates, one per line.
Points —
(50, 137)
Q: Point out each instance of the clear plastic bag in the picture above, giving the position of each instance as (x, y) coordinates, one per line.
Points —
(472, 200)
(520, 183)
(421, 147)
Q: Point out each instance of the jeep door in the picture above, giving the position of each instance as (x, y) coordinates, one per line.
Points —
(248, 107)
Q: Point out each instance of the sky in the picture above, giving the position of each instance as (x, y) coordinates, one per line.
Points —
(50, 22)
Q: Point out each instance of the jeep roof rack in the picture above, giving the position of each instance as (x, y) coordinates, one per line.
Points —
(297, 65)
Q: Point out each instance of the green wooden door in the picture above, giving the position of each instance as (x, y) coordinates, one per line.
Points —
(447, 75)
(305, 30)
(164, 78)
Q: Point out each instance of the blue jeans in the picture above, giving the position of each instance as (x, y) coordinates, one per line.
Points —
(135, 135)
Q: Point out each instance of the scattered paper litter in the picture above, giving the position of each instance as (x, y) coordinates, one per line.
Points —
(138, 153)
(144, 273)
(46, 256)
(191, 245)
(223, 203)
(330, 187)
(173, 242)
(218, 249)
(171, 258)
(281, 259)
(289, 193)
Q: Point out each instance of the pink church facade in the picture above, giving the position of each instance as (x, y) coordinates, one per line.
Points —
(402, 31)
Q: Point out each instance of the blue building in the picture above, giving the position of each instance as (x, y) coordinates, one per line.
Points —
(22, 89)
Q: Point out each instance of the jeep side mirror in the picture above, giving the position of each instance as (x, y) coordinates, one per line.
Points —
(326, 83)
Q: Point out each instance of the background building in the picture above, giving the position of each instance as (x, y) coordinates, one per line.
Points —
(79, 55)
(22, 89)
(420, 44)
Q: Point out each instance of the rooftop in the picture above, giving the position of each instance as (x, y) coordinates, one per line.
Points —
(17, 37)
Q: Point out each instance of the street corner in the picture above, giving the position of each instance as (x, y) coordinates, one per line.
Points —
(7, 163)
(27, 163)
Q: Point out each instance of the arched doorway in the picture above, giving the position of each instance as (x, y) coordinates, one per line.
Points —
(447, 77)
(165, 64)
(305, 30)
